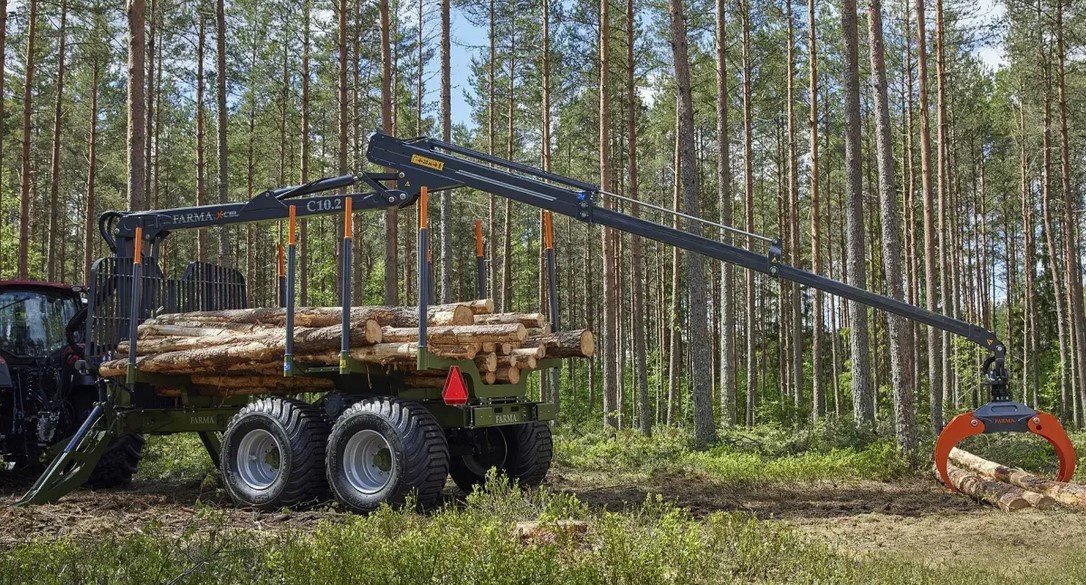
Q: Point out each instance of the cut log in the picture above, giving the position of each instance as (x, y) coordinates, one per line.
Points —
(249, 357)
(510, 332)
(452, 314)
(298, 384)
(306, 339)
(529, 320)
(565, 344)
(1071, 495)
(479, 306)
(523, 359)
(486, 362)
(507, 375)
(1003, 496)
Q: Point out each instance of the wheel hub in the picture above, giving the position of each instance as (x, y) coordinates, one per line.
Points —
(368, 462)
(490, 450)
(258, 459)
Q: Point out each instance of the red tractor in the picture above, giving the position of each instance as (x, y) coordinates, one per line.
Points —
(46, 391)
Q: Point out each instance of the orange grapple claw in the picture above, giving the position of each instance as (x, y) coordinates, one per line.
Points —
(1049, 427)
(959, 428)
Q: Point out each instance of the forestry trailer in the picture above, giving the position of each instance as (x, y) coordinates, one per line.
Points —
(375, 437)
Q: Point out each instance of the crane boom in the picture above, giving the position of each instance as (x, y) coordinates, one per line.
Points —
(440, 165)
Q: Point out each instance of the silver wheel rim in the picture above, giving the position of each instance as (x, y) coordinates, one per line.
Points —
(368, 462)
(259, 459)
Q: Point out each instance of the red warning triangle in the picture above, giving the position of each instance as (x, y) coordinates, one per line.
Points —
(455, 392)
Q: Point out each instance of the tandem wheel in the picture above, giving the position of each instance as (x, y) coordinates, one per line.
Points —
(382, 450)
(273, 454)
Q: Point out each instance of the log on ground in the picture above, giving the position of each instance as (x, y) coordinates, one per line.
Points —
(1071, 495)
(1003, 496)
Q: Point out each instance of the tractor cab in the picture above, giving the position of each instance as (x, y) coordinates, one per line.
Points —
(34, 318)
(42, 395)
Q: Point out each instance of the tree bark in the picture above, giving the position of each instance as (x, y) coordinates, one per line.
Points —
(637, 285)
(3, 59)
(900, 372)
(943, 195)
(225, 257)
(201, 148)
(137, 198)
(610, 293)
(54, 233)
(931, 291)
(1005, 497)
(575, 343)
(817, 390)
(795, 253)
(697, 306)
(1071, 203)
(445, 224)
(303, 225)
(28, 111)
(341, 42)
(748, 207)
(392, 288)
(90, 219)
(725, 203)
(862, 403)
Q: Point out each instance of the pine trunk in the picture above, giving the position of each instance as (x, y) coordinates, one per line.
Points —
(900, 371)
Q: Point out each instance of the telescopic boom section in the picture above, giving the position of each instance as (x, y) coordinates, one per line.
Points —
(440, 165)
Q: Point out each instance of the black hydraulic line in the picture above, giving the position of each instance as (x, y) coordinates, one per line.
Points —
(440, 165)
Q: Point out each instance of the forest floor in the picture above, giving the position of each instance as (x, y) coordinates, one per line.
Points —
(912, 517)
(906, 518)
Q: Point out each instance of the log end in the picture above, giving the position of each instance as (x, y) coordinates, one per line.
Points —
(588, 343)
(371, 331)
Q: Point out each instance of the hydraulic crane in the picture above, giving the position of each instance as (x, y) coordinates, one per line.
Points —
(440, 165)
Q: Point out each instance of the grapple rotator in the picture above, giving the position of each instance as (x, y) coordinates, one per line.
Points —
(1003, 415)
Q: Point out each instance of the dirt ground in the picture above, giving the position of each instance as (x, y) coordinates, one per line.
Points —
(911, 518)
(914, 519)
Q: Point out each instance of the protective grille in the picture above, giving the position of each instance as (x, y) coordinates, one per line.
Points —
(202, 287)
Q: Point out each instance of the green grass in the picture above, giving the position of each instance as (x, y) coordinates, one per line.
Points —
(764, 454)
(177, 457)
(473, 543)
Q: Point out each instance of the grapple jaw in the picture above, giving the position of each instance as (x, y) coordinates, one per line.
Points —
(1005, 416)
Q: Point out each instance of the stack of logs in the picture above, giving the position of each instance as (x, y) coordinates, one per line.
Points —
(241, 351)
(1010, 489)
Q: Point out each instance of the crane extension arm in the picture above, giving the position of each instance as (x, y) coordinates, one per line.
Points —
(439, 165)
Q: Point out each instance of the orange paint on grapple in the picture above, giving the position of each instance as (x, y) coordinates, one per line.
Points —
(1041, 423)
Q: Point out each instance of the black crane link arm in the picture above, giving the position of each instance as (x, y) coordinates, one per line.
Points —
(118, 228)
(440, 165)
